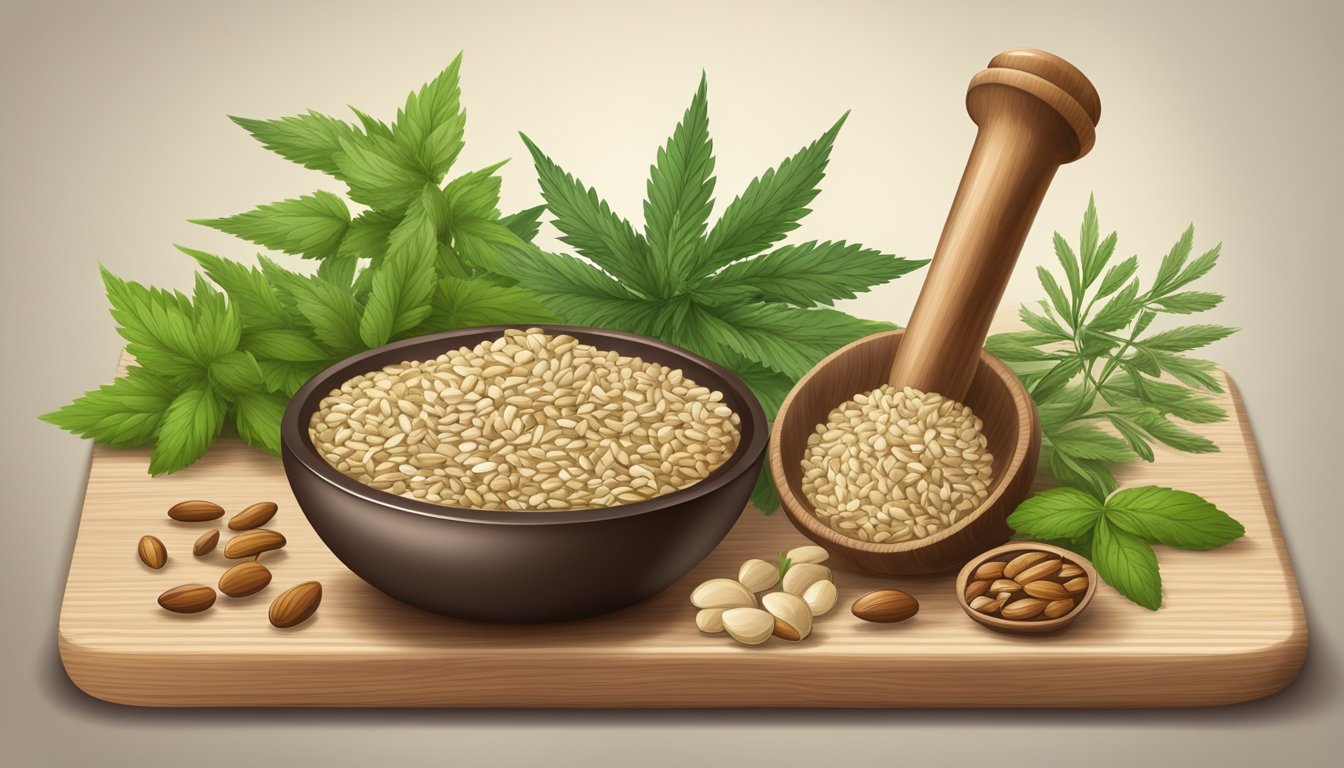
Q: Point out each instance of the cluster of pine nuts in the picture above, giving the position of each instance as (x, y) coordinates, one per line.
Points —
(528, 422)
(806, 592)
(895, 465)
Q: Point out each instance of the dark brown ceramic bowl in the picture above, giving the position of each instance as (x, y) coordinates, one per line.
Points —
(520, 566)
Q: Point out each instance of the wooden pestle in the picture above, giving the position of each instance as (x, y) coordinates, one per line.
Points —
(1036, 112)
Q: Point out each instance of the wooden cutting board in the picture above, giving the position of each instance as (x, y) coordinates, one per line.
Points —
(1231, 628)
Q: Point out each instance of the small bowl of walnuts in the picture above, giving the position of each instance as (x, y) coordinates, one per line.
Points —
(1025, 587)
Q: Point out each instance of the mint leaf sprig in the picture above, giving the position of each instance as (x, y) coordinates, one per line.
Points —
(1117, 533)
(718, 290)
(1089, 360)
(421, 256)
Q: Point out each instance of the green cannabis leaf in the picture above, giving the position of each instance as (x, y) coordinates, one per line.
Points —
(421, 256)
(1089, 360)
(714, 290)
(1117, 533)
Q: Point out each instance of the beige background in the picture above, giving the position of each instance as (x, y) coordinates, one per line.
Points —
(113, 134)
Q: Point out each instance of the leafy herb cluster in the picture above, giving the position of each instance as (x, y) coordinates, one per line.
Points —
(718, 290)
(1117, 533)
(420, 256)
(1089, 358)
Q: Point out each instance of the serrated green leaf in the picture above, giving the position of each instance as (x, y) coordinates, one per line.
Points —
(1042, 324)
(381, 173)
(1119, 311)
(158, 327)
(1174, 260)
(769, 386)
(1059, 513)
(806, 275)
(431, 124)
(678, 201)
(366, 238)
(124, 414)
(283, 344)
(372, 126)
(338, 270)
(404, 283)
(190, 424)
(1189, 302)
(1056, 294)
(1189, 370)
(1072, 269)
(310, 226)
(1056, 379)
(1086, 442)
(1087, 244)
(235, 373)
(785, 339)
(524, 224)
(472, 195)
(1133, 436)
(1117, 276)
(1180, 438)
(589, 225)
(1195, 270)
(311, 140)
(1127, 563)
(771, 206)
(1183, 403)
(1187, 338)
(284, 378)
(1174, 518)
(464, 303)
(332, 313)
(248, 290)
(1088, 475)
(257, 418)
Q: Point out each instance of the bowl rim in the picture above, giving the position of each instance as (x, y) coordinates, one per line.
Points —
(1026, 627)
(296, 442)
(800, 511)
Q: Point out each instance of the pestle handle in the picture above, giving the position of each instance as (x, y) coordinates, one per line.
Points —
(1035, 112)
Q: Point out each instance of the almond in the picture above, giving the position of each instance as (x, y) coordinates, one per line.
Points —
(188, 598)
(195, 511)
(152, 552)
(1022, 562)
(253, 543)
(244, 579)
(205, 544)
(1076, 584)
(1001, 586)
(885, 605)
(296, 604)
(976, 589)
(1040, 570)
(1046, 590)
(1026, 608)
(990, 571)
(1069, 570)
(984, 604)
(1056, 608)
(254, 516)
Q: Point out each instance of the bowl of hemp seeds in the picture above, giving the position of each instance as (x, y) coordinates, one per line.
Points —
(523, 474)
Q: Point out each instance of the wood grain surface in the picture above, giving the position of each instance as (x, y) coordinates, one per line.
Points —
(1231, 629)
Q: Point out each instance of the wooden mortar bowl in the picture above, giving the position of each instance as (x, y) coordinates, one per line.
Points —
(995, 395)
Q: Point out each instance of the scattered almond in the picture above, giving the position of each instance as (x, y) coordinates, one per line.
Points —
(296, 604)
(188, 598)
(244, 579)
(152, 552)
(254, 516)
(206, 543)
(195, 511)
(251, 543)
(885, 606)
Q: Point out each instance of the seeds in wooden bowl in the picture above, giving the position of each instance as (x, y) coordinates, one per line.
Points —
(895, 465)
(528, 422)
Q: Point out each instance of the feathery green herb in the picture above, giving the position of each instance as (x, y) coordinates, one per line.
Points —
(1090, 360)
(421, 256)
(718, 291)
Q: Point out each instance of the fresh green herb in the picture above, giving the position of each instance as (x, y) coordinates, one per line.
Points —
(421, 257)
(714, 290)
(784, 564)
(1088, 358)
(1118, 534)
